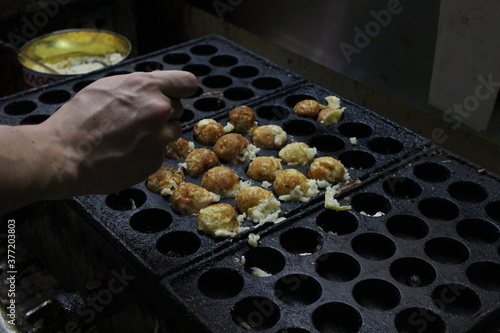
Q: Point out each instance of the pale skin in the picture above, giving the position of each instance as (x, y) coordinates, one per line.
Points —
(110, 136)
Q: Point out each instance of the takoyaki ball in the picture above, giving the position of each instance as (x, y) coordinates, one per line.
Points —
(264, 168)
(242, 118)
(232, 148)
(221, 180)
(250, 197)
(218, 220)
(188, 198)
(297, 154)
(165, 180)
(330, 116)
(268, 136)
(199, 161)
(307, 107)
(179, 149)
(287, 180)
(208, 131)
(259, 205)
(328, 169)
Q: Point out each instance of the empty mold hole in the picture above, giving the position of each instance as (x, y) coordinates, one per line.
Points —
(337, 222)
(176, 58)
(407, 227)
(401, 187)
(467, 191)
(113, 73)
(19, 108)
(326, 143)
(446, 250)
(294, 99)
(151, 220)
(355, 130)
(272, 112)
(357, 159)
(34, 120)
(81, 84)
(204, 49)
(209, 104)
(477, 230)
(297, 289)
(386, 146)
(376, 294)
(220, 283)
(267, 83)
(370, 203)
(439, 209)
(456, 299)
(301, 241)
(217, 81)
(293, 330)
(419, 320)
(255, 313)
(431, 172)
(336, 318)
(493, 210)
(224, 60)
(197, 69)
(244, 72)
(54, 97)
(128, 199)
(178, 244)
(239, 94)
(148, 66)
(265, 258)
(338, 267)
(187, 115)
(299, 127)
(485, 275)
(373, 246)
(413, 272)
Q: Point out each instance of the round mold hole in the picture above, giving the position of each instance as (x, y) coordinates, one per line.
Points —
(493, 210)
(217, 81)
(299, 127)
(255, 313)
(54, 97)
(204, 49)
(239, 93)
(370, 203)
(220, 283)
(337, 267)
(18, 108)
(113, 73)
(198, 93)
(297, 289)
(265, 258)
(357, 159)
(337, 222)
(148, 66)
(197, 69)
(244, 72)
(478, 231)
(176, 58)
(128, 199)
(326, 143)
(439, 209)
(187, 115)
(385, 146)
(209, 104)
(224, 60)
(446, 250)
(402, 188)
(34, 119)
(355, 130)
(293, 330)
(432, 172)
(467, 191)
(407, 227)
(373, 246)
(81, 84)
(151, 220)
(485, 275)
(376, 294)
(178, 244)
(267, 83)
(413, 272)
(272, 112)
(336, 317)
(456, 299)
(419, 320)
(301, 240)
(294, 99)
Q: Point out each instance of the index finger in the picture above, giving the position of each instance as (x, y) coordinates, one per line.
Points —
(175, 83)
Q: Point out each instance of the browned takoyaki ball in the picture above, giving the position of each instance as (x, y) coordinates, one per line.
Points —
(221, 180)
(264, 168)
(327, 168)
(250, 197)
(307, 107)
(287, 180)
(242, 118)
(330, 116)
(179, 149)
(188, 198)
(231, 147)
(218, 220)
(268, 136)
(199, 161)
(165, 180)
(208, 131)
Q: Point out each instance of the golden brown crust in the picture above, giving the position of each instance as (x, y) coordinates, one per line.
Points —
(218, 220)
(307, 107)
(166, 178)
(242, 118)
(188, 199)
(289, 179)
(177, 150)
(250, 197)
(327, 168)
(199, 161)
(230, 147)
(264, 168)
(268, 136)
(330, 116)
(208, 131)
(220, 180)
